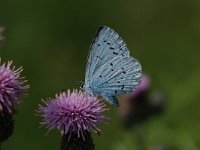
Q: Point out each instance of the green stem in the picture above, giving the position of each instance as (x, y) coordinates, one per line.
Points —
(140, 138)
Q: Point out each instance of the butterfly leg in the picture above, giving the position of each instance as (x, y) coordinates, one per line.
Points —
(112, 100)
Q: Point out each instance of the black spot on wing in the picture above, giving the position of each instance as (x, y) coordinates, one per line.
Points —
(99, 57)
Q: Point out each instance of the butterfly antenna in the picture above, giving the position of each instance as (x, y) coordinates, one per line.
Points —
(79, 83)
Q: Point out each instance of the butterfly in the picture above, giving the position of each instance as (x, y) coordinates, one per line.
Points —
(110, 70)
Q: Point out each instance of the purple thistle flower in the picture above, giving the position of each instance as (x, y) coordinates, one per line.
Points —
(12, 86)
(73, 113)
(142, 87)
(141, 104)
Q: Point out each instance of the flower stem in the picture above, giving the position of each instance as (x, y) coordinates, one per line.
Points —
(140, 138)
(73, 142)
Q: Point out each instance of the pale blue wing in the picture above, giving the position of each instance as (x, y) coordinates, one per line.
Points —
(110, 70)
(106, 45)
(111, 99)
(118, 76)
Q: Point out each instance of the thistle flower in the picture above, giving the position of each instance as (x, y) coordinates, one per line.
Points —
(142, 87)
(76, 114)
(12, 86)
(141, 105)
(73, 113)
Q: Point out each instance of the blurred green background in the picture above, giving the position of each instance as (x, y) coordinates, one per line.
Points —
(50, 39)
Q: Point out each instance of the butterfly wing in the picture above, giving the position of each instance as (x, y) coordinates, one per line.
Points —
(106, 44)
(121, 77)
(110, 70)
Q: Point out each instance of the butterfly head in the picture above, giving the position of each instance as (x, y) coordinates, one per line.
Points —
(87, 89)
(82, 86)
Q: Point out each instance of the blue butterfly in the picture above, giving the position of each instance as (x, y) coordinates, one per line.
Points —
(110, 70)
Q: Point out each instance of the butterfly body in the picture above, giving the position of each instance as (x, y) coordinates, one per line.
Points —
(110, 69)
